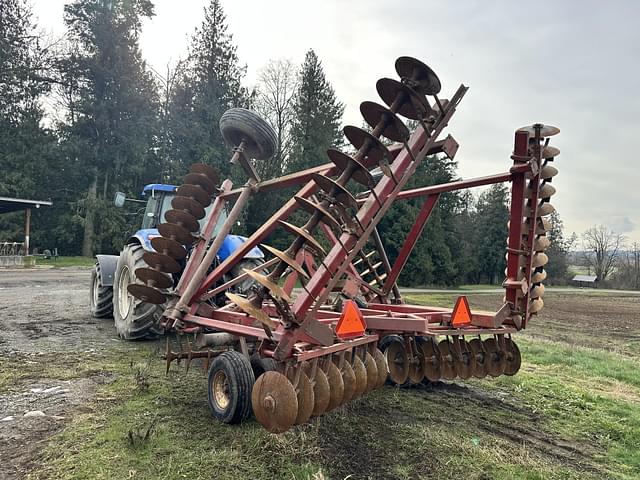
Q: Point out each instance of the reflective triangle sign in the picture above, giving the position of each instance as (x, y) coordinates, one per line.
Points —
(351, 323)
(461, 314)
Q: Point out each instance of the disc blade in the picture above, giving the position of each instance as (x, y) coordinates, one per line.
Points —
(480, 370)
(432, 361)
(201, 180)
(513, 357)
(550, 152)
(177, 233)
(168, 247)
(416, 365)
(205, 169)
(548, 171)
(545, 131)
(412, 105)
(146, 294)
(343, 161)
(334, 189)
(195, 192)
(541, 243)
(539, 275)
(301, 232)
(286, 259)
(372, 371)
(447, 365)
(336, 386)
(418, 75)
(320, 390)
(536, 305)
(313, 208)
(304, 393)
(375, 149)
(349, 381)
(393, 128)
(537, 291)
(361, 376)
(467, 363)
(275, 289)
(188, 205)
(161, 262)
(545, 209)
(381, 363)
(148, 275)
(398, 362)
(249, 308)
(180, 217)
(495, 359)
(540, 259)
(546, 190)
(274, 401)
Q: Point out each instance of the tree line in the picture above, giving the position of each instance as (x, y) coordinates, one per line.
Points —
(84, 116)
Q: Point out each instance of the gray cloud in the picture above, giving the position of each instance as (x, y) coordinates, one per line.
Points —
(569, 64)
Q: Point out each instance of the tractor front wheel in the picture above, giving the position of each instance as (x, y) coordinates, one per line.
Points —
(134, 319)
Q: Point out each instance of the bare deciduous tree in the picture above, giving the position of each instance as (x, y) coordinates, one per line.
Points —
(275, 96)
(602, 247)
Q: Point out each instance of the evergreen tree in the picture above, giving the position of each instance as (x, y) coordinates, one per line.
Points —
(318, 115)
(112, 111)
(490, 222)
(209, 84)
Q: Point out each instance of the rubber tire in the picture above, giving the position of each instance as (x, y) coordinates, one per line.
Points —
(261, 365)
(100, 301)
(244, 286)
(239, 373)
(239, 124)
(141, 319)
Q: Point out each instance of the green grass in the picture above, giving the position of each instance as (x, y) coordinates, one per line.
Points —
(67, 261)
(577, 411)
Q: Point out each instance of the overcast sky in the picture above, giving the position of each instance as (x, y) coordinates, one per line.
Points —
(572, 64)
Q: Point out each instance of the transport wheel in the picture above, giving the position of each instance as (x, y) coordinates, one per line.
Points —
(240, 124)
(133, 319)
(230, 383)
(261, 365)
(100, 298)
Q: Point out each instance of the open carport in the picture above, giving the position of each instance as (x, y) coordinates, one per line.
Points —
(13, 253)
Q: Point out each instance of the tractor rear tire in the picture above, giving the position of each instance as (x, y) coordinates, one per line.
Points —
(134, 319)
(100, 297)
(230, 382)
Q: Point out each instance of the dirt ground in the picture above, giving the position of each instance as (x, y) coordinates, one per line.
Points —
(44, 318)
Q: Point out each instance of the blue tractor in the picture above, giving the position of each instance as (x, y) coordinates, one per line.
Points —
(112, 273)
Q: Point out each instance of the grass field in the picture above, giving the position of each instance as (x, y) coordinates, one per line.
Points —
(573, 411)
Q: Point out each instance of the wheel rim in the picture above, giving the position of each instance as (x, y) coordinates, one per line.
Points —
(95, 291)
(124, 297)
(220, 390)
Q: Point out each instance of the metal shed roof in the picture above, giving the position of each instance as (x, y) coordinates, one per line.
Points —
(8, 204)
(585, 278)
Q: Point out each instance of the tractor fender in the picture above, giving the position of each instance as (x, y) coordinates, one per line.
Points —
(231, 243)
(107, 268)
(143, 237)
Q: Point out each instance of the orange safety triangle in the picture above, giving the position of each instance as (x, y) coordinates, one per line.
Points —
(461, 314)
(351, 323)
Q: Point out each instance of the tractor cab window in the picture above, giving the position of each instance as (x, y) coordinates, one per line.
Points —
(149, 220)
